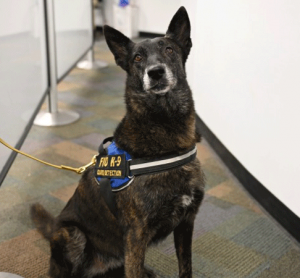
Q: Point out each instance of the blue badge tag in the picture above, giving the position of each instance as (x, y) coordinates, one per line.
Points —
(114, 166)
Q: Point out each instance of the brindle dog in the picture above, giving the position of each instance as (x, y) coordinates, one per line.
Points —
(86, 239)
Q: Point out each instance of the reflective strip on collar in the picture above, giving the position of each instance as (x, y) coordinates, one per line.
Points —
(176, 159)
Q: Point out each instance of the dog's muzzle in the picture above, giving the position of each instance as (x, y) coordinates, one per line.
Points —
(158, 79)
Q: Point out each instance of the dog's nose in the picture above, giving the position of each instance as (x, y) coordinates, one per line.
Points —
(156, 72)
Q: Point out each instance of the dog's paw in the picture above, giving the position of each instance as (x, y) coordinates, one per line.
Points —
(149, 273)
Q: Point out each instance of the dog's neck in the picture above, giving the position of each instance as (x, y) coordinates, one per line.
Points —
(150, 131)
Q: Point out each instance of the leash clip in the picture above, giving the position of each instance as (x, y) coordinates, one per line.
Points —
(81, 169)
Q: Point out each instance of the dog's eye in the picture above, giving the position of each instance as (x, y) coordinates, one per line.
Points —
(169, 50)
(138, 58)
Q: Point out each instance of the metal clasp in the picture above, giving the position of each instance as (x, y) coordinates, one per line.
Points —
(83, 168)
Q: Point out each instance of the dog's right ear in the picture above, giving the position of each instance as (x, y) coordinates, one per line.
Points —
(119, 45)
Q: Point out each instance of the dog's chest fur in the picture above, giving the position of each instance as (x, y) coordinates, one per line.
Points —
(163, 199)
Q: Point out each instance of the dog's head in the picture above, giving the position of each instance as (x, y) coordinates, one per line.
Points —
(156, 66)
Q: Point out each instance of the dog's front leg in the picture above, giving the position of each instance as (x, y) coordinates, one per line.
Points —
(183, 243)
(135, 248)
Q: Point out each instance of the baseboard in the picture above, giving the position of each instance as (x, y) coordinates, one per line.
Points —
(99, 29)
(150, 35)
(281, 213)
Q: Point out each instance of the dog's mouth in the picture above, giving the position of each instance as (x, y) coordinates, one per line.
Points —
(159, 88)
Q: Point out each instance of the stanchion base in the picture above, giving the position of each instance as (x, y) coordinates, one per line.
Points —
(9, 275)
(88, 65)
(62, 117)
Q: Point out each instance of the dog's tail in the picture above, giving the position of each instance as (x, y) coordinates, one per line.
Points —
(43, 220)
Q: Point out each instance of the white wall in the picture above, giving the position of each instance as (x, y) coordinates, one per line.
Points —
(247, 87)
(72, 15)
(17, 18)
(155, 15)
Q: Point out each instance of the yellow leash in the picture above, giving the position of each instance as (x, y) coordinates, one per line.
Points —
(79, 170)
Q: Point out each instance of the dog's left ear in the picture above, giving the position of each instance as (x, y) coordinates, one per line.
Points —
(180, 31)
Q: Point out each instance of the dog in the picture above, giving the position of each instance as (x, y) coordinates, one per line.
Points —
(87, 240)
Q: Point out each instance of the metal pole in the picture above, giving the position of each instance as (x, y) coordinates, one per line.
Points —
(52, 101)
(90, 55)
(90, 63)
(54, 116)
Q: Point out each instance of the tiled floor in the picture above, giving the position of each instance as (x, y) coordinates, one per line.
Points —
(233, 236)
